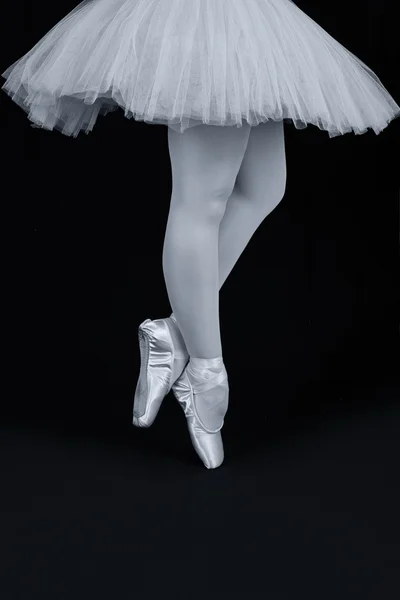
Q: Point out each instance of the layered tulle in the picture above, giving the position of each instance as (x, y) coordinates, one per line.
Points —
(186, 62)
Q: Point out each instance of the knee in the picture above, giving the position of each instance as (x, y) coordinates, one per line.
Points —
(272, 194)
(204, 200)
(280, 189)
(278, 184)
(216, 197)
(260, 206)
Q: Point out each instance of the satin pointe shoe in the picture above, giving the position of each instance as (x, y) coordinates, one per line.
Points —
(203, 393)
(163, 357)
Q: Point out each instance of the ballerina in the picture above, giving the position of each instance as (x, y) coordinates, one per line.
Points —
(224, 76)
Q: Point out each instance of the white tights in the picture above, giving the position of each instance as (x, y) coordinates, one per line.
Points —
(225, 181)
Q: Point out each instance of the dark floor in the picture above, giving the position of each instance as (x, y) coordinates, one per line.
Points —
(305, 506)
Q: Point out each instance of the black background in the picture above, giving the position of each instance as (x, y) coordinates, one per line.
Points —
(310, 332)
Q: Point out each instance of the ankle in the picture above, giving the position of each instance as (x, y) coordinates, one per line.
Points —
(180, 350)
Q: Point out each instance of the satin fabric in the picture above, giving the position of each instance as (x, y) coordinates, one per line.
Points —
(205, 433)
(157, 355)
(204, 415)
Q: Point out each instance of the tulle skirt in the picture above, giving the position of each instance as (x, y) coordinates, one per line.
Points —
(186, 62)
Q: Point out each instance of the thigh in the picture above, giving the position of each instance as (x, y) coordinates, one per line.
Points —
(262, 174)
(207, 158)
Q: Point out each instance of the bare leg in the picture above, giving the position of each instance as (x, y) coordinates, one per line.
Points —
(205, 162)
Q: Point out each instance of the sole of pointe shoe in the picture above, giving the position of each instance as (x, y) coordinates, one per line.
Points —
(141, 393)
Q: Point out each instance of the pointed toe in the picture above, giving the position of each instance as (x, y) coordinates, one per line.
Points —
(140, 422)
(214, 453)
(204, 422)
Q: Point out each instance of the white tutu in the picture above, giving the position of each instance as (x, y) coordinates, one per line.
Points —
(187, 62)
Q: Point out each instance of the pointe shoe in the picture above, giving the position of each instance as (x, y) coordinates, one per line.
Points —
(204, 422)
(161, 363)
